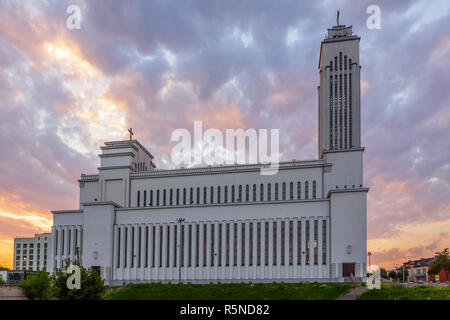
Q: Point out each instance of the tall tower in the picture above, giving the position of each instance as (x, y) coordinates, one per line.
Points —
(339, 91)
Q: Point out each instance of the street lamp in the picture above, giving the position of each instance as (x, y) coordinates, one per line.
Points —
(369, 254)
(180, 221)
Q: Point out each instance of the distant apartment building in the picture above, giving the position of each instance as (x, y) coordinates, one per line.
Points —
(418, 269)
(31, 254)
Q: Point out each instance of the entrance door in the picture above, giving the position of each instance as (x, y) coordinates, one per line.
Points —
(348, 269)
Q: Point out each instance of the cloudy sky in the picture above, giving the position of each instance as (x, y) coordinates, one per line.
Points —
(159, 65)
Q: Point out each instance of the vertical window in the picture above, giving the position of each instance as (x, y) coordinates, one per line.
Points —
(168, 247)
(171, 197)
(291, 191)
(211, 195)
(197, 245)
(291, 242)
(261, 192)
(247, 193)
(198, 195)
(151, 198)
(191, 196)
(226, 194)
(254, 192)
(204, 195)
(274, 262)
(316, 240)
(153, 244)
(118, 251)
(218, 194)
(299, 190)
(306, 190)
(283, 230)
(69, 238)
(276, 191)
(232, 193)
(266, 243)
(157, 198)
(178, 197)
(63, 238)
(235, 243)
(299, 242)
(164, 197)
(219, 246)
(269, 191)
(227, 245)
(307, 241)
(331, 111)
(212, 245)
(240, 193)
(205, 239)
(324, 242)
(138, 198)
(132, 247)
(189, 245)
(175, 245)
(125, 245)
(182, 244)
(314, 190)
(243, 244)
(284, 191)
(258, 244)
(350, 98)
(145, 198)
(146, 246)
(250, 243)
(184, 196)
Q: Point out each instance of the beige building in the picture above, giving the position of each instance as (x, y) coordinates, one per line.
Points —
(31, 254)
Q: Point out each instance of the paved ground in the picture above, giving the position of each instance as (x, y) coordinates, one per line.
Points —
(11, 293)
(353, 294)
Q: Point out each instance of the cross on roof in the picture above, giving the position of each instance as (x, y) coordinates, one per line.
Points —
(131, 133)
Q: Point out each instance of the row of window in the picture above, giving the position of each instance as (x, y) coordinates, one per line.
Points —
(24, 246)
(258, 244)
(25, 252)
(63, 239)
(339, 63)
(180, 196)
(340, 111)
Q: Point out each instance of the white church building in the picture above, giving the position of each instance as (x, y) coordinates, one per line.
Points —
(305, 223)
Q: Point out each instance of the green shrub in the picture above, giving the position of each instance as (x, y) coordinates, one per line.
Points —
(91, 285)
(37, 286)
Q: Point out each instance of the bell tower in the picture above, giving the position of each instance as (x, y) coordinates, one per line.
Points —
(339, 91)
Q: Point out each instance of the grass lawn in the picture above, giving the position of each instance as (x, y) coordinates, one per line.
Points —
(389, 292)
(236, 291)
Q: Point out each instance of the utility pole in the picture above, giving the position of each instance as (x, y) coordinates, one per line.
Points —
(369, 254)
(180, 221)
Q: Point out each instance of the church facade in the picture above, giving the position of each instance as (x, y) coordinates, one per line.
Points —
(136, 223)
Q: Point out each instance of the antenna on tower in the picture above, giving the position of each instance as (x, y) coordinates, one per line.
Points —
(337, 18)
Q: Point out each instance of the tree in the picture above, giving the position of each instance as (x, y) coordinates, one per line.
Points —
(392, 274)
(383, 273)
(37, 286)
(92, 286)
(441, 262)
